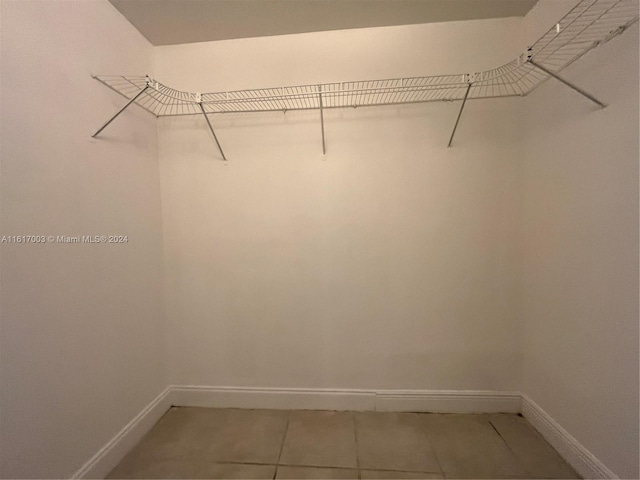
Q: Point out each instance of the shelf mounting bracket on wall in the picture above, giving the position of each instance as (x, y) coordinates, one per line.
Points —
(567, 83)
(324, 148)
(212, 132)
(144, 89)
(455, 127)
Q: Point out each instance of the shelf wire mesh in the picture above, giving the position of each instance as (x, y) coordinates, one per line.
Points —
(589, 24)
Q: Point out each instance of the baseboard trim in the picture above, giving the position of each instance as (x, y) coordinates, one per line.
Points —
(448, 401)
(576, 454)
(110, 455)
(442, 401)
(275, 398)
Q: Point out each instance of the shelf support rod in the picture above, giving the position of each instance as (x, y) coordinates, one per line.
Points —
(324, 149)
(455, 127)
(120, 111)
(212, 132)
(568, 84)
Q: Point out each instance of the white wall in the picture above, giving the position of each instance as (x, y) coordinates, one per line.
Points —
(341, 55)
(579, 304)
(396, 263)
(81, 337)
(390, 265)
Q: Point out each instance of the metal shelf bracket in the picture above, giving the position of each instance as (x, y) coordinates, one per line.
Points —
(567, 83)
(211, 128)
(324, 148)
(144, 89)
(464, 101)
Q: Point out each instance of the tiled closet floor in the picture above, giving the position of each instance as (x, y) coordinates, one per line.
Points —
(267, 444)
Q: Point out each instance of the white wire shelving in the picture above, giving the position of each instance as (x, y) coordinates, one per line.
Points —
(589, 24)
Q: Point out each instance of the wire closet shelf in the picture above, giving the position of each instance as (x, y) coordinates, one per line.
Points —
(589, 24)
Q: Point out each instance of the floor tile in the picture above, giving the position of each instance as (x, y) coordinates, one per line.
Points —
(467, 446)
(232, 443)
(472, 476)
(382, 474)
(245, 436)
(237, 470)
(320, 438)
(394, 441)
(139, 467)
(538, 457)
(178, 434)
(285, 472)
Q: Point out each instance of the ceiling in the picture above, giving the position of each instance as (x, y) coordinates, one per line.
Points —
(168, 22)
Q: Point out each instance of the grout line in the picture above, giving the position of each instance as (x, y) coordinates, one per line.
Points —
(316, 466)
(326, 467)
(231, 462)
(524, 467)
(441, 470)
(433, 450)
(355, 436)
(398, 471)
(494, 427)
(286, 430)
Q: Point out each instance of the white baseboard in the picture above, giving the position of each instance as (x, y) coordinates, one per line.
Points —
(276, 398)
(576, 454)
(443, 401)
(110, 455)
(448, 401)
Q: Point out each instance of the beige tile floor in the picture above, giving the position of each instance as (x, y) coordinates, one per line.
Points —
(268, 444)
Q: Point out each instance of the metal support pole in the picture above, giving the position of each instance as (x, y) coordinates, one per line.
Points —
(568, 84)
(121, 110)
(212, 132)
(455, 127)
(324, 149)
